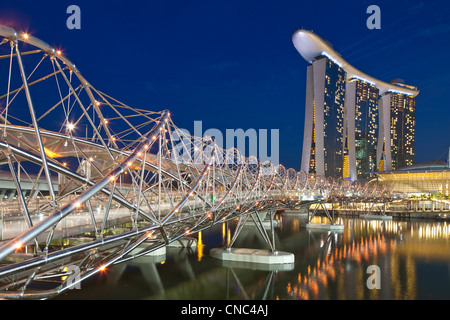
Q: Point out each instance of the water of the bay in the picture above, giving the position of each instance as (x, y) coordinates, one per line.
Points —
(411, 259)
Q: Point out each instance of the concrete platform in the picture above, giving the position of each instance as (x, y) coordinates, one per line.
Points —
(303, 213)
(257, 266)
(149, 259)
(252, 255)
(377, 217)
(325, 226)
(158, 252)
(265, 223)
(184, 243)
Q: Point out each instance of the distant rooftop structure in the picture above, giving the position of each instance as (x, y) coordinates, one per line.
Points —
(437, 165)
(311, 46)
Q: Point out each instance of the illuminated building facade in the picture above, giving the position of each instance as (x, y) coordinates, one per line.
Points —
(397, 119)
(323, 150)
(362, 128)
(355, 124)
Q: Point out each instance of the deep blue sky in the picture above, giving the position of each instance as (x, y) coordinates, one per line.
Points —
(232, 64)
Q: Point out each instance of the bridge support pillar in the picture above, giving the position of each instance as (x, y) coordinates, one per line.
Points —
(303, 210)
(332, 226)
(249, 255)
(186, 242)
(265, 219)
(380, 215)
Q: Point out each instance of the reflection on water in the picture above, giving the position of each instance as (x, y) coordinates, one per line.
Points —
(413, 257)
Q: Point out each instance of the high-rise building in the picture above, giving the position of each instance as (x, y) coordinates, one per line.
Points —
(362, 127)
(354, 124)
(325, 106)
(397, 121)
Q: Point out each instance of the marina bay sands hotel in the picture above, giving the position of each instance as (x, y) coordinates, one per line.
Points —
(355, 124)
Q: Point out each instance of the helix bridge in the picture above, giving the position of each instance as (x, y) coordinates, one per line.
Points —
(98, 182)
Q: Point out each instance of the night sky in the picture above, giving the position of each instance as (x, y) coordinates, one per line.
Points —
(232, 64)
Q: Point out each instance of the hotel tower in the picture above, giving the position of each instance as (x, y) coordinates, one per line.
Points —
(354, 124)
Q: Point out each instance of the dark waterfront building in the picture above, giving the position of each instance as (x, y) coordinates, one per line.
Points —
(354, 124)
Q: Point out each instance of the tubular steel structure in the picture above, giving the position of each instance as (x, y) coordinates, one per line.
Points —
(99, 182)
